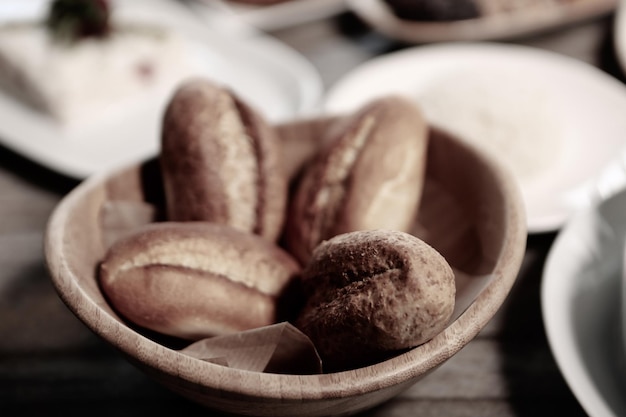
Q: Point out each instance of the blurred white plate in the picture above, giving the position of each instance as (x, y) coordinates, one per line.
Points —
(535, 17)
(580, 299)
(286, 14)
(557, 120)
(265, 73)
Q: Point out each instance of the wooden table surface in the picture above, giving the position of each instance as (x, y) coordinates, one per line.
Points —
(50, 362)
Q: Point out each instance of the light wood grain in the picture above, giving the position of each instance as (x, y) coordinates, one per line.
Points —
(487, 203)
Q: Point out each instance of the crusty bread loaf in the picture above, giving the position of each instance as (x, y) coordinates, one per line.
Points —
(196, 279)
(372, 293)
(369, 177)
(221, 161)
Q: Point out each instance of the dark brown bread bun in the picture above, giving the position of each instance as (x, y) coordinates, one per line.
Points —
(373, 293)
(370, 177)
(221, 161)
(194, 280)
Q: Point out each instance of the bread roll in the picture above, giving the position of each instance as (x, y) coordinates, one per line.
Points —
(194, 280)
(373, 293)
(370, 177)
(221, 161)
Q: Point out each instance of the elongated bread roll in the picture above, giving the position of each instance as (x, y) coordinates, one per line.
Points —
(221, 161)
(196, 279)
(370, 177)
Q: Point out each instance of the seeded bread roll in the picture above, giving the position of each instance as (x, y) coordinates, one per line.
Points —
(370, 177)
(221, 161)
(194, 280)
(373, 293)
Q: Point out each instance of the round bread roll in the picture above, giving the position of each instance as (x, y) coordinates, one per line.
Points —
(370, 294)
(369, 177)
(194, 280)
(220, 161)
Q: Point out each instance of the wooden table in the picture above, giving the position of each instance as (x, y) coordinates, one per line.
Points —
(50, 362)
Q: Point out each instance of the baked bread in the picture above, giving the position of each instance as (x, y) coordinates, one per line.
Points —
(370, 294)
(221, 161)
(194, 279)
(370, 177)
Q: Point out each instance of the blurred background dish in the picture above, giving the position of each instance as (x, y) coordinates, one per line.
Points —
(622, 310)
(580, 300)
(490, 20)
(619, 34)
(268, 74)
(555, 121)
(277, 15)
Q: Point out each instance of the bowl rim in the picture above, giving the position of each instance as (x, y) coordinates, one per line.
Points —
(282, 387)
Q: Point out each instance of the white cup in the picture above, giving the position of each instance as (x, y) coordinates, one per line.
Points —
(622, 308)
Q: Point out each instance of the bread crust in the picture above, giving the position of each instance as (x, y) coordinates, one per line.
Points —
(373, 293)
(220, 161)
(196, 279)
(369, 177)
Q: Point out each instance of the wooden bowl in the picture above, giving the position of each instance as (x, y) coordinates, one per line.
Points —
(471, 212)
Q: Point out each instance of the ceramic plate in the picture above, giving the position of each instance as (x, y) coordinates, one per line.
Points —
(554, 121)
(284, 15)
(580, 301)
(495, 24)
(265, 73)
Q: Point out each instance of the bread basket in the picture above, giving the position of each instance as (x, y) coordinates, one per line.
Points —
(471, 211)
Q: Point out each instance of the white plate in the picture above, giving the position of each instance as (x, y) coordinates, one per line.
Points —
(284, 15)
(535, 17)
(619, 34)
(580, 300)
(557, 121)
(267, 74)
